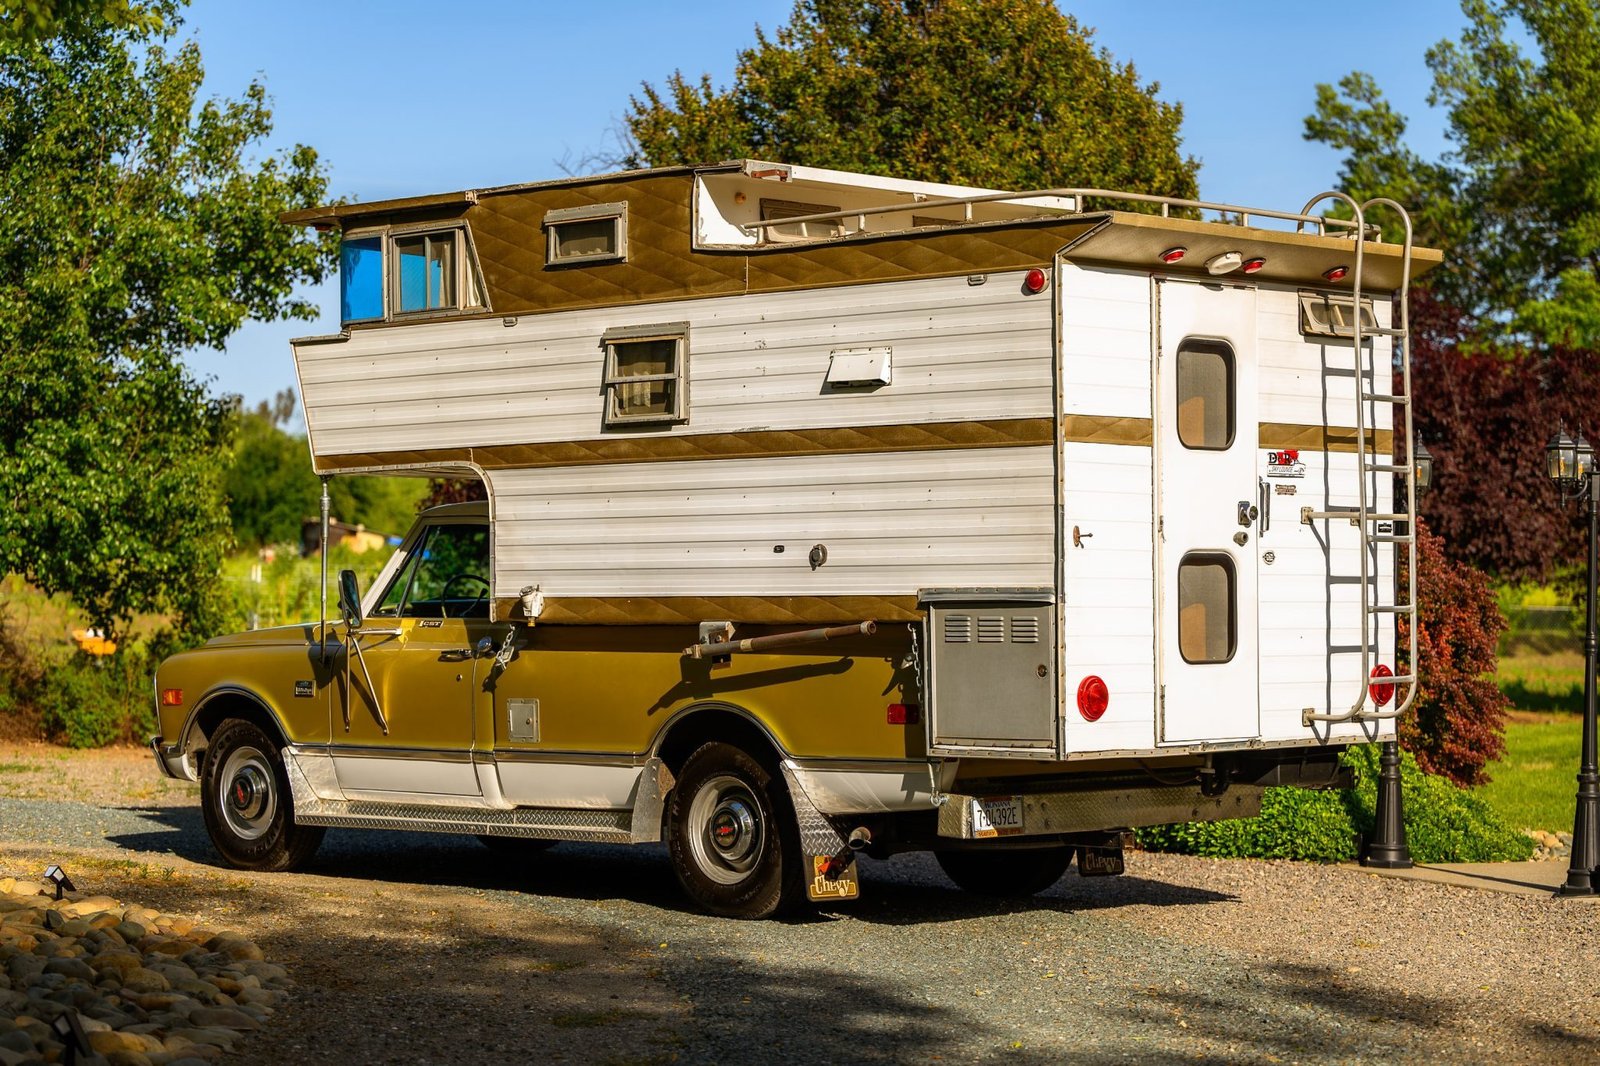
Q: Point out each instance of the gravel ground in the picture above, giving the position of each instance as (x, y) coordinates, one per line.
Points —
(417, 948)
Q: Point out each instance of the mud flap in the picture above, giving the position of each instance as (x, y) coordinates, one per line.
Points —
(830, 865)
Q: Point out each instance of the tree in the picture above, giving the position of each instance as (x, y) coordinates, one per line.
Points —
(1000, 93)
(1515, 205)
(138, 226)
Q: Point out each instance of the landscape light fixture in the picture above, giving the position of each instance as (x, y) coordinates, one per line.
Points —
(69, 1030)
(58, 877)
(1422, 462)
(1570, 464)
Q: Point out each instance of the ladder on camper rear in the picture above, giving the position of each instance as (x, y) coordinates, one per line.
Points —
(1379, 528)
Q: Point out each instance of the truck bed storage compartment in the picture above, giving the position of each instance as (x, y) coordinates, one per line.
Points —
(991, 684)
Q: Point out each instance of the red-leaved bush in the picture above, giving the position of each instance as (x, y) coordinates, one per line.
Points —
(1457, 724)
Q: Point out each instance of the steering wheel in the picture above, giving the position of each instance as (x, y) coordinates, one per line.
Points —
(444, 594)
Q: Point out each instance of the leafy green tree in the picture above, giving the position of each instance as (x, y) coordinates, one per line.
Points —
(24, 21)
(1001, 93)
(1516, 204)
(139, 225)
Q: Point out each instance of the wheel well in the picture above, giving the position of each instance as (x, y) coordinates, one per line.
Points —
(228, 705)
(702, 726)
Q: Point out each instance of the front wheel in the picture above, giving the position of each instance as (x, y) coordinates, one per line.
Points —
(731, 835)
(244, 796)
(1009, 874)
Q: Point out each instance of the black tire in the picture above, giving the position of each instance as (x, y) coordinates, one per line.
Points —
(244, 796)
(731, 835)
(516, 847)
(1005, 874)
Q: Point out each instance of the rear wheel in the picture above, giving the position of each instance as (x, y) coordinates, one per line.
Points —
(731, 835)
(244, 797)
(1009, 874)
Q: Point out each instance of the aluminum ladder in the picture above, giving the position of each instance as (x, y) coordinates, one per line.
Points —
(1370, 465)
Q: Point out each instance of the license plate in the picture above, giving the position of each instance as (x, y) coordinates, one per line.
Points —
(1099, 862)
(997, 816)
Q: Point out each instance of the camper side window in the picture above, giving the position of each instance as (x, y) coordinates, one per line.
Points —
(645, 378)
(1205, 395)
(589, 234)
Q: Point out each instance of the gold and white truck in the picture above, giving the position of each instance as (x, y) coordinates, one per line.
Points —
(829, 513)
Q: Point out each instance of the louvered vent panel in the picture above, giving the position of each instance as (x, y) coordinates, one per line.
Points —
(958, 629)
(1024, 630)
(991, 629)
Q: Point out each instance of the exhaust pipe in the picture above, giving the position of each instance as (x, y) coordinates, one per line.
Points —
(860, 838)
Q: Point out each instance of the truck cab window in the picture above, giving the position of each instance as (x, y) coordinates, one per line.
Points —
(445, 575)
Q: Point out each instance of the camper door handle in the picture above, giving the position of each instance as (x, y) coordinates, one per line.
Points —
(1247, 513)
(1266, 504)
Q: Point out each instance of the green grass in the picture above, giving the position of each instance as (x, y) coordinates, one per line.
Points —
(1534, 785)
(1542, 678)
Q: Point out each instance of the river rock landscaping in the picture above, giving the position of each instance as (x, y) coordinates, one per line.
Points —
(148, 989)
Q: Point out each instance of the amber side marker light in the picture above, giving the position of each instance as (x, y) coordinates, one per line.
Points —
(172, 697)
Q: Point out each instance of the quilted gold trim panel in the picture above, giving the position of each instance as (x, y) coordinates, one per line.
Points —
(1322, 438)
(850, 440)
(1105, 429)
(689, 610)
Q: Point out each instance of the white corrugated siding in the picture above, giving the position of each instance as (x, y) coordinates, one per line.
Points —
(960, 352)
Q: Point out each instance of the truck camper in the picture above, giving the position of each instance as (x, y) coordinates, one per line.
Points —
(827, 513)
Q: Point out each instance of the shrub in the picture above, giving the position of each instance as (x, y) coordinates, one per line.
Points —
(1458, 722)
(1444, 823)
(88, 702)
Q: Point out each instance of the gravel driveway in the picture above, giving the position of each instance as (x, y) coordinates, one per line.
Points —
(416, 948)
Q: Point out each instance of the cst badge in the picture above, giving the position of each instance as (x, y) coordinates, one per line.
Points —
(1285, 463)
(833, 877)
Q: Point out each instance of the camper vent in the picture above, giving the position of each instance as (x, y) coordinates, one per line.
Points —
(1024, 629)
(991, 629)
(1325, 315)
(958, 629)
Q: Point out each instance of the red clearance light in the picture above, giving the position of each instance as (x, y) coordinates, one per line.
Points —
(172, 697)
(1381, 694)
(904, 714)
(1336, 273)
(1034, 281)
(1253, 265)
(1174, 255)
(1093, 698)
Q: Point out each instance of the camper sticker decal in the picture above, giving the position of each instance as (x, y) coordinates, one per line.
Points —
(1285, 463)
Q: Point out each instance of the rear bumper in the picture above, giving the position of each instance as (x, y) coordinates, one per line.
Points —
(1088, 810)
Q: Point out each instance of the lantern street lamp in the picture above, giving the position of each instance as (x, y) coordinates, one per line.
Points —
(1570, 464)
(1387, 848)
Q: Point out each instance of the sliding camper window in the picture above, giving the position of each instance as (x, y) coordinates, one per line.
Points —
(591, 234)
(645, 374)
(1205, 395)
(389, 274)
(772, 210)
(1206, 615)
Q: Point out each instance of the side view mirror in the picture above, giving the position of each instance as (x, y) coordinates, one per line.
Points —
(350, 600)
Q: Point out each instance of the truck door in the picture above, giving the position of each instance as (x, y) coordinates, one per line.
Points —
(411, 730)
(1206, 443)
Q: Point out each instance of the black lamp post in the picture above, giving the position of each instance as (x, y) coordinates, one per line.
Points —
(1388, 850)
(1570, 464)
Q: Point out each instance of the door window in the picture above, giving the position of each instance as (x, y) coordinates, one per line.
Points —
(1206, 614)
(446, 575)
(1205, 395)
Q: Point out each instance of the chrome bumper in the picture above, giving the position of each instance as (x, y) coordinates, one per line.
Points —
(1090, 810)
(171, 761)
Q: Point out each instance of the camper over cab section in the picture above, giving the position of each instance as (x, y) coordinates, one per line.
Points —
(828, 513)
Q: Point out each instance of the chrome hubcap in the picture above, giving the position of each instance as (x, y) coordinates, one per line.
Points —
(726, 831)
(249, 799)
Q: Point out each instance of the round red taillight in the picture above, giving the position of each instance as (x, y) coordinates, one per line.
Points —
(1253, 265)
(1174, 255)
(1093, 698)
(1336, 273)
(1034, 281)
(1381, 694)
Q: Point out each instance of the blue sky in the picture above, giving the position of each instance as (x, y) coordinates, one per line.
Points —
(404, 98)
